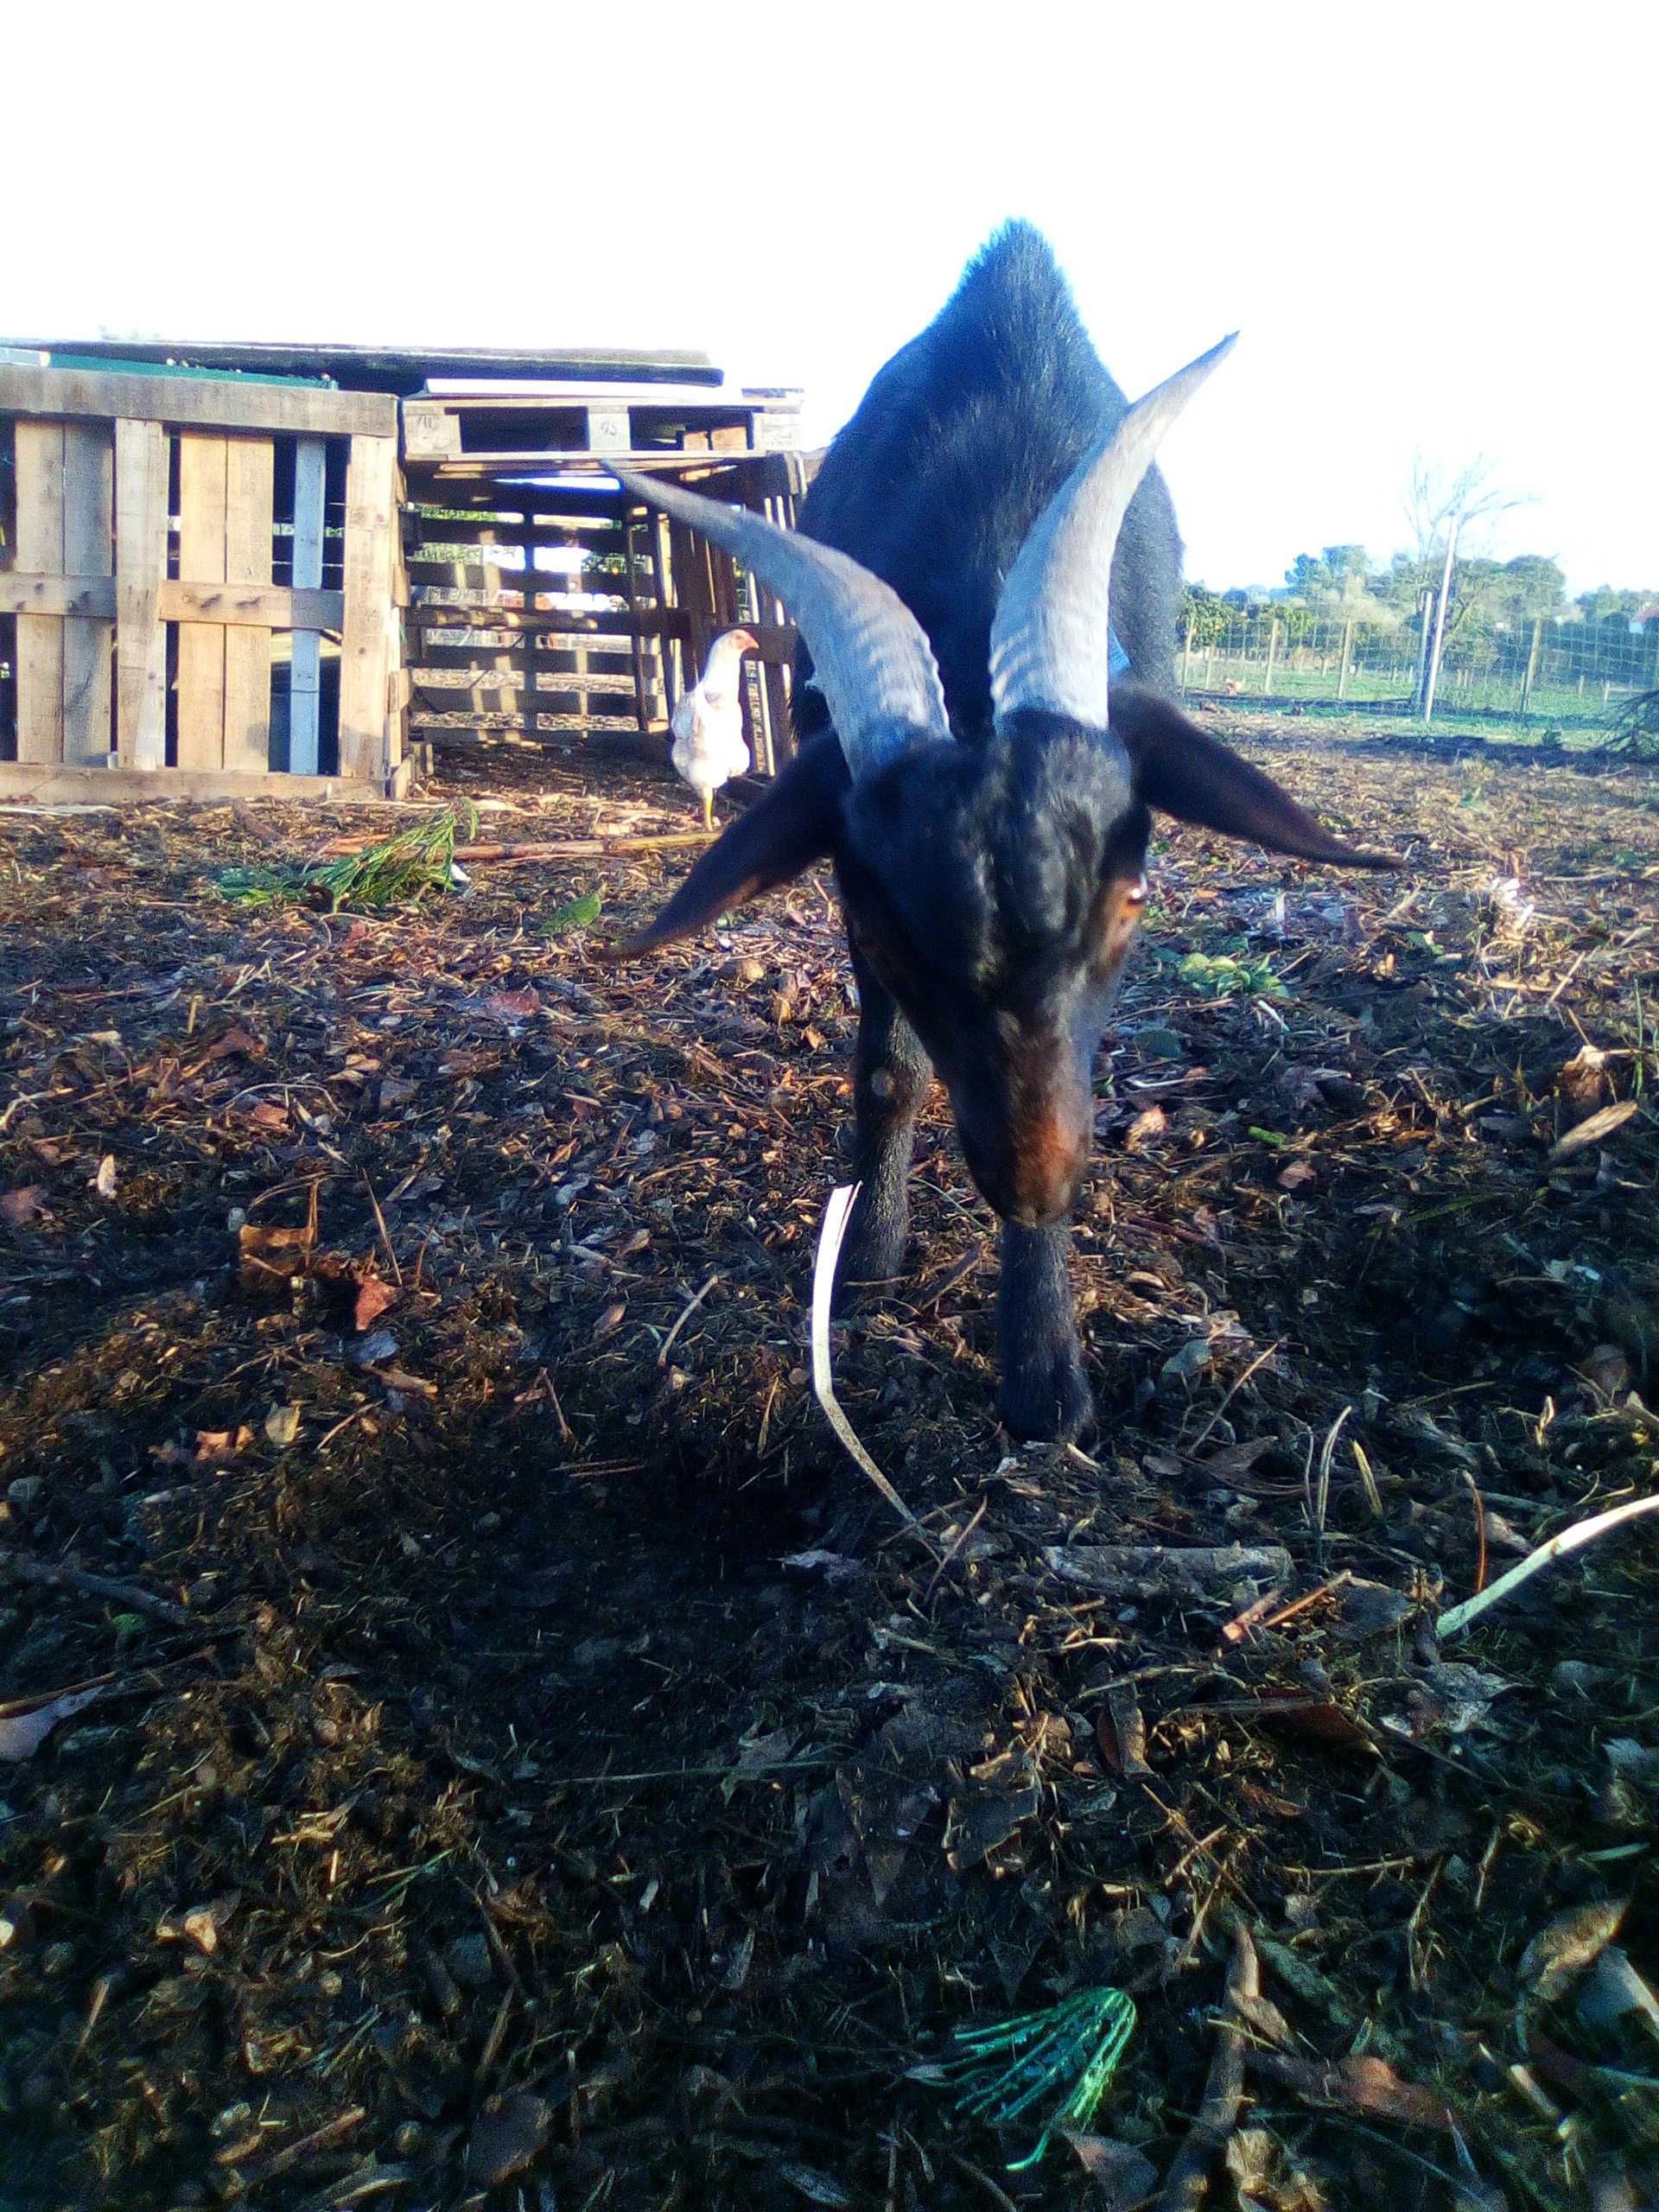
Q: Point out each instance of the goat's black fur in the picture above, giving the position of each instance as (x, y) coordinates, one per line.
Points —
(991, 881)
(958, 447)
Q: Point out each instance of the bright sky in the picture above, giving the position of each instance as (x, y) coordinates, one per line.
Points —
(1432, 223)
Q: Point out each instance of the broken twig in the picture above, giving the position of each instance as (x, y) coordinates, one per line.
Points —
(1188, 2181)
(48, 1576)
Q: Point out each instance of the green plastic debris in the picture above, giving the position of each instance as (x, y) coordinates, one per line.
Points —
(1008, 2068)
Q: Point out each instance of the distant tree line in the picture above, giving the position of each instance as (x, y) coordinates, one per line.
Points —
(1490, 616)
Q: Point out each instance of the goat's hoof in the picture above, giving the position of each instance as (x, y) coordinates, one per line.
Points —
(1051, 1403)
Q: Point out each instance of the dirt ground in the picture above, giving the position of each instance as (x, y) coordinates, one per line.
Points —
(523, 1760)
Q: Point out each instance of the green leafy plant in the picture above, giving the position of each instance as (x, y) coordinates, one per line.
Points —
(580, 914)
(397, 871)
(1234, 975)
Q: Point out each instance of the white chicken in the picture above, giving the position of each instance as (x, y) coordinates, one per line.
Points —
(708, 748)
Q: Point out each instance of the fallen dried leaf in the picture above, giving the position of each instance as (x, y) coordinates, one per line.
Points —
(1371, 1609)
(217, 1447)
(1608, 1372)
(1122, 2175)
(373, 1299)
(1151, 1121)
(1365, 2084)
(506, 2138)
(1571, 1942)
(282, 1426)
(20, 1207)
(268, 1257)
(235, 1041)
(1595, 1130)
(1121, 1732)
(263, 1114)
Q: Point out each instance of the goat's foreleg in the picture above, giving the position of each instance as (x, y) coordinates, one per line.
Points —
(1046, 1394)
(891, 1073)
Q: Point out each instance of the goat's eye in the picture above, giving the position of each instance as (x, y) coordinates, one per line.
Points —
(1136, 893)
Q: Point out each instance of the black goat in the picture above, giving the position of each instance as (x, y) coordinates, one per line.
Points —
(985, 538)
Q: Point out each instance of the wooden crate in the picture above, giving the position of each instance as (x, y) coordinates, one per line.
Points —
(145, 505)
(498, 647)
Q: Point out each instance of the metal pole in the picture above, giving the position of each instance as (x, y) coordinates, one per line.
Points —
(1432, 674)
(1531, 675)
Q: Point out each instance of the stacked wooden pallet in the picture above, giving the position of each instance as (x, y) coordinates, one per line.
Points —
(544, 600)
(153, 627)
(467, 428)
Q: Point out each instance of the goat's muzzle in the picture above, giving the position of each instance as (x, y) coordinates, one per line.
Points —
(1032, 1174)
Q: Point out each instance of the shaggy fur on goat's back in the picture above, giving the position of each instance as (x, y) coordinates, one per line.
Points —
(960, 442)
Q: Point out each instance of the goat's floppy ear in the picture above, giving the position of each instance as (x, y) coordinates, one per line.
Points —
(1180, 770)
(770, 843)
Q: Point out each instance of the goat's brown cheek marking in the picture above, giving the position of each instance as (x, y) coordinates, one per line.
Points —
(1046, 1157)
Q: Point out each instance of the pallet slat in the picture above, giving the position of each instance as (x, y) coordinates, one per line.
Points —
(39, 460)
(249, 517)
(204, 464)
(194, 403)
(266, 606)
(431, 718)
(305, 666)
(366, 656)
(483, 677)
(48, 784)
(141, 518)
(88, 550)
(491, 637)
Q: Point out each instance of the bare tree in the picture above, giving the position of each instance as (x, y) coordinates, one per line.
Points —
(1441, 507)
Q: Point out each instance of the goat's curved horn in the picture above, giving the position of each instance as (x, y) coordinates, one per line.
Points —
(870, 656)
(1050, 641)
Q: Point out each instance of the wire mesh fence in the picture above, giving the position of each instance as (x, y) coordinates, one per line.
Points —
(1541, 675)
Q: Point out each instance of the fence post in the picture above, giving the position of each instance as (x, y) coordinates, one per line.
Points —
(1186, 656)
(1432, 671)
(1531, 675)
(1210, 667)
(1347, 657)
(1273, 651)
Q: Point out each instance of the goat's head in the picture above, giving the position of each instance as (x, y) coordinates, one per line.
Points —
(994, 887)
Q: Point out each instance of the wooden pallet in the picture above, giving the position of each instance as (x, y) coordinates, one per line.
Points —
(101, 624)
(494, 421)
(499, 646)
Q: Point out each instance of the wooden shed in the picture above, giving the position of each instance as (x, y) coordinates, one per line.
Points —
(269, 567)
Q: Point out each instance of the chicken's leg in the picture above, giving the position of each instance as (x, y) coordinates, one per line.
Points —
(708, 798)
